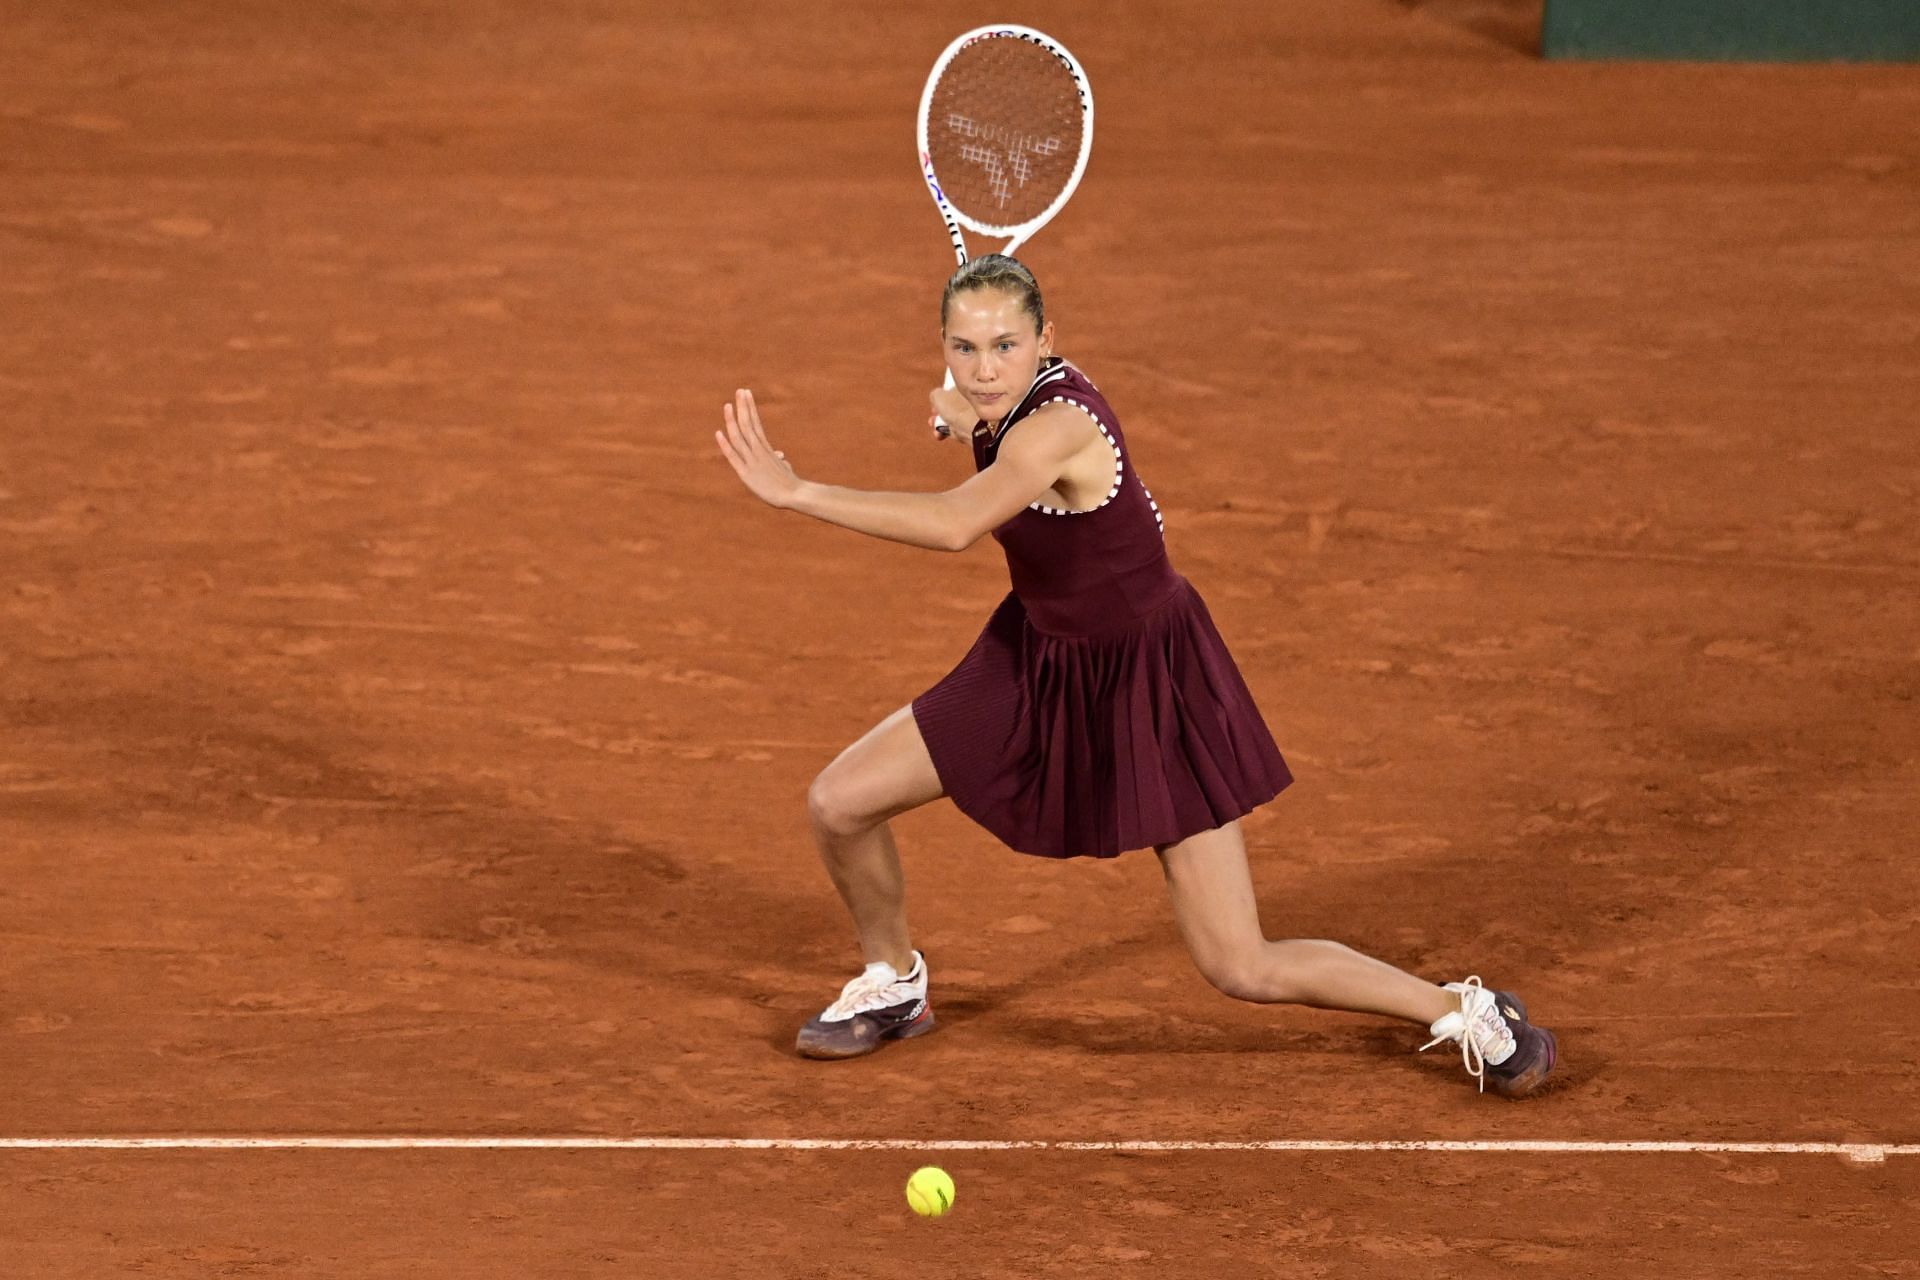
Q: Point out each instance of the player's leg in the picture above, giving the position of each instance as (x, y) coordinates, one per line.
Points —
(850, 805)
(881, 776)
(1213, 904)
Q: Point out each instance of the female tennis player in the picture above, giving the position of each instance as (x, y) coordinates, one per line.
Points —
(1098, 712)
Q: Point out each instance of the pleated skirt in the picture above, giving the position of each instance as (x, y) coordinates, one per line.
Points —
(1091, 745)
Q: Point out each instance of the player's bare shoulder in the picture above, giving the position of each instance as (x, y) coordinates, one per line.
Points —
(1058, 430)
(1069, 444)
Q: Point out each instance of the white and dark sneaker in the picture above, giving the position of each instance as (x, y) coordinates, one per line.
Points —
(1496, 1040)
(879, 1005)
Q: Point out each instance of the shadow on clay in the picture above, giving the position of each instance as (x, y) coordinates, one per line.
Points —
(1514, 24)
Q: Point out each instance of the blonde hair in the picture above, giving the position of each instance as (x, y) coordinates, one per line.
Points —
(997, 271)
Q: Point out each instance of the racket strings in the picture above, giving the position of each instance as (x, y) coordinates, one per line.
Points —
(1004, 130)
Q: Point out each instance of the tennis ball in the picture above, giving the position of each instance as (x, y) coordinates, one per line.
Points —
(930, 1192)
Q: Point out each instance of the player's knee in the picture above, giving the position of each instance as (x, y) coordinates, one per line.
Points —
(1239, 973)
(832, 808)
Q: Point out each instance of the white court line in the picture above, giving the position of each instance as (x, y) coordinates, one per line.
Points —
(1860, 1152)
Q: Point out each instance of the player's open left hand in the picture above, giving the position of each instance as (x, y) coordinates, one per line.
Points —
(760, 466)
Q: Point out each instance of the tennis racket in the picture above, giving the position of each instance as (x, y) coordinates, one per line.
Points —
(1006, 125)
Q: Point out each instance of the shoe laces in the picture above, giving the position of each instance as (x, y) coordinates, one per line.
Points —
(1478, 1027)
(870, 991)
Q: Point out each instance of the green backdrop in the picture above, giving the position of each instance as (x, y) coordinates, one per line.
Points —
(1747, 30)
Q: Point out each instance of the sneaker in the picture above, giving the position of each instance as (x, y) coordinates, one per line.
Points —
(877, 1006)
(1496, 1040)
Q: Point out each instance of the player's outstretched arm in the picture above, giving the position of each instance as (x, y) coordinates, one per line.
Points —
(1027, 467)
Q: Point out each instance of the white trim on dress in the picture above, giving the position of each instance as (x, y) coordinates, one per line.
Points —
(1054, 374)
(1119, 474)
(1119, 464)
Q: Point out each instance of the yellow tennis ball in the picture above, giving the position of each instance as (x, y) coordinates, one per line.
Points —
(930, 1192)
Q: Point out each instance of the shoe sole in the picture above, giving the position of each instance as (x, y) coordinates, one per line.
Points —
(1530, 1080)
(1533, 1077)
(828, 1051)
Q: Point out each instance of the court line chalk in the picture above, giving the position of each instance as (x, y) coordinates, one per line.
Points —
(1858, 1152)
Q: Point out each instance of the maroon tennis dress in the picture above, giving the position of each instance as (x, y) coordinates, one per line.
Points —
(1099, 711)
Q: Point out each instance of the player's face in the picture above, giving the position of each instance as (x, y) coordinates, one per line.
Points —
(992, 350)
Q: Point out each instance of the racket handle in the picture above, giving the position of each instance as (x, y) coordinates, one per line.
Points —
(940, 426)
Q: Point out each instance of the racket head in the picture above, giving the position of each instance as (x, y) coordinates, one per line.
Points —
(1006, 125)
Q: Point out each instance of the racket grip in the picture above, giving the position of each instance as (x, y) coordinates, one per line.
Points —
(940, 426)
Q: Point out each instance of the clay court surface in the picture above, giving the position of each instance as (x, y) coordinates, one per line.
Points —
(407, 716)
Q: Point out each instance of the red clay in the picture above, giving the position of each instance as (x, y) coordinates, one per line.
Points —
(407, 717)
